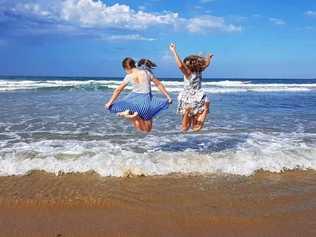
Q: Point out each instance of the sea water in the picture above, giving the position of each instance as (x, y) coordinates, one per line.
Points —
(60, 125)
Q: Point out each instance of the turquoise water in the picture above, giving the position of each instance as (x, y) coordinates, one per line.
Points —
(60, 125)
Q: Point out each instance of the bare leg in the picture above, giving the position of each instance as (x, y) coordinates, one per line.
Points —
(186, 120)
(194, 121)
(148, 125)
(200, 118)
(141, 125)
(137, 123)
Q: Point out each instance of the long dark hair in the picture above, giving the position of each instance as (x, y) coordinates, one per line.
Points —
(128, 63)
(195, 63)
(147, 64)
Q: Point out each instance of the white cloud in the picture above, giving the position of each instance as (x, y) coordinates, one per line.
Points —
(32, 8)
(90, 13)
(277, 21)
(210, 23)
(39, 9)
(129, 37)
(310, 13)
(96, 14)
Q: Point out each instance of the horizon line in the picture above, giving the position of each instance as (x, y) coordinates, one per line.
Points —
(116, 77)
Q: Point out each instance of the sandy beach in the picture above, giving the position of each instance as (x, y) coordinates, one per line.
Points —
(265, 204)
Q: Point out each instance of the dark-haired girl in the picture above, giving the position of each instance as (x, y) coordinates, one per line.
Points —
(146, 64)
(193, 102)
(140, 106)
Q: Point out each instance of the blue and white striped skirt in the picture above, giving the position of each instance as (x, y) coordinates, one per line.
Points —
(146, 105)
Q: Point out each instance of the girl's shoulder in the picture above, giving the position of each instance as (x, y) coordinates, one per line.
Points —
(193, 76)
(196, 75)
(129, 77)
(190, 77)
(146, 73)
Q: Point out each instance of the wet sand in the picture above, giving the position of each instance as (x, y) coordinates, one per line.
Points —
(266, 204)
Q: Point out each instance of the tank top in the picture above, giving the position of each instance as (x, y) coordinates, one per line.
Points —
(142, 87)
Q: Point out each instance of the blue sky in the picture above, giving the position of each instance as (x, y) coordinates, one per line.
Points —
(249, 38)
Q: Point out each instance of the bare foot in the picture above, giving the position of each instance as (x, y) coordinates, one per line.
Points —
(186, 120)
(124, 113)
(201, 118)
(128, 114)
(199, 125)
(131, 116)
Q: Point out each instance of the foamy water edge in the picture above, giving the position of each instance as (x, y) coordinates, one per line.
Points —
(273, 153)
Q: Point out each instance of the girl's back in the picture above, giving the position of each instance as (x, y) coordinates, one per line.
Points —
(140, 81)
(193, 82)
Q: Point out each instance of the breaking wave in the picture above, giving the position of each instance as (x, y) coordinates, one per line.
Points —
(173, 86)
(217, 154)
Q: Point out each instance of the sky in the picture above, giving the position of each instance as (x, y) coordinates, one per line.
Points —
(249, 38)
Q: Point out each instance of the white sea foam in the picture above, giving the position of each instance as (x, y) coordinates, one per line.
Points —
(269, 152)
(173, 86)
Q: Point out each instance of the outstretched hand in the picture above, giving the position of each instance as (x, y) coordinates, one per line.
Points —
(169, 100)
(107, 105)
(210, 55)
(172, 47)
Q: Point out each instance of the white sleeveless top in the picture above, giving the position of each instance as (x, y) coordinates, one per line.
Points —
(143, 87)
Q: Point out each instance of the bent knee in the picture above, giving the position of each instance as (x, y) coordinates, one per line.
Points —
(146, 130)
(207, 106)
(185, 128)
(197, 128)
(148, 126)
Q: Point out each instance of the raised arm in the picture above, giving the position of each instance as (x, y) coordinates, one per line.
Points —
(184, 69)
(208, 60)
(162, 88)
(116, 94)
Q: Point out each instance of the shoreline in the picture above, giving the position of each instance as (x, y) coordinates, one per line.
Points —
(265, 204)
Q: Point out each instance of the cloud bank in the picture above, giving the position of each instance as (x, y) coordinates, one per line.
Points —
(95, 14)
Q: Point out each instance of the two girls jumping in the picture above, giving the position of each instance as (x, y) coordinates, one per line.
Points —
(140, 106)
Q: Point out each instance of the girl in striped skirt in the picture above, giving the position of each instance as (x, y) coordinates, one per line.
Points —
(193, 102)
(140, 106)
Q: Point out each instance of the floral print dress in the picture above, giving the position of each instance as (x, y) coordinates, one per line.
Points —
(192, 96)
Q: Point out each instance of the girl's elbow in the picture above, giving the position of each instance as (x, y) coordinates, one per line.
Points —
(158, 83)
(118, 91)
(120, 88)
(180, 66)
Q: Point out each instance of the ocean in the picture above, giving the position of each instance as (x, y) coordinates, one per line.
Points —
(59, 125)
